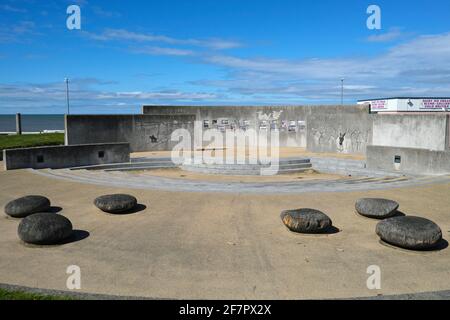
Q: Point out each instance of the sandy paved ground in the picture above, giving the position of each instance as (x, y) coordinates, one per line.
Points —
(285, 152)
(178, 173)
(199, 245)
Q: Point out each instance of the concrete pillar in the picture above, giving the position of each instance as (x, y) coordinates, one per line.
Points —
(447, 134)
(66, 137)
(18, 123)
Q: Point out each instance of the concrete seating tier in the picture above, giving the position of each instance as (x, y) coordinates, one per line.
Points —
(134, 164)
(285, 166)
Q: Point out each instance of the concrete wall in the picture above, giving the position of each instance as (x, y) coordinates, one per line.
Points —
(246, 117)
(412, 160)
(343, 129)
(332, 129)
(142, 132)
(411, 131)
(66, 156)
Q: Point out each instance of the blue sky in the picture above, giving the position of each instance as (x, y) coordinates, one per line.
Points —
(218, 52)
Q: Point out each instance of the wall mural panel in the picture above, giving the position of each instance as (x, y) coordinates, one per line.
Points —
(349, 135)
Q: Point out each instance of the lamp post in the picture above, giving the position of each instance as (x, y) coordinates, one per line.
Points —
(342, 91)
(66, 80)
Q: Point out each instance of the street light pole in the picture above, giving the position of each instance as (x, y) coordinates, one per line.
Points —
(66, 80)
(342, 91)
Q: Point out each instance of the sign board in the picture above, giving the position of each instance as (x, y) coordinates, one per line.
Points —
(408, 104)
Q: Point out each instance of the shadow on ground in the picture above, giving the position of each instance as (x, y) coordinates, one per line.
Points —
(54, 209)
(331, 230)
(138, 208)
(77, 235)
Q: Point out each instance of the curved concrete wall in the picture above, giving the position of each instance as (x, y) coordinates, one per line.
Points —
(332, 129)
(342, 129)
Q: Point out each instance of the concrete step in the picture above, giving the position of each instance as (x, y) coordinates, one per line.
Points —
(137, 165)
(244, 167)
(148, 159)
(248, 171)
(286, 161)
(338, 163)
(142, 167)
(292, 170)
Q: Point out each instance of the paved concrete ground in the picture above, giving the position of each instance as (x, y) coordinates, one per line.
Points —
(79, 295)
(213, 245)
(220, 184)
(177, 173)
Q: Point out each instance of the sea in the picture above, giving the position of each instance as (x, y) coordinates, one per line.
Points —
(32, 122)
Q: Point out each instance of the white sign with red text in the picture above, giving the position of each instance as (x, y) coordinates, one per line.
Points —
(409, 105)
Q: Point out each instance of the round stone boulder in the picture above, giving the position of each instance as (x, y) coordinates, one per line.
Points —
(376, 208)
(116, 203)
(23, 207)
(45, 228)
(410, 232)
(306, 221)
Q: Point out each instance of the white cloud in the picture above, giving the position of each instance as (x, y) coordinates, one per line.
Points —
(105, 13)
(125, 35)
(164, 95)
(391, 35)
(7, 7)
(17, 32)
(420, 66)
(165, 51)
(89, 92)
(416, 67)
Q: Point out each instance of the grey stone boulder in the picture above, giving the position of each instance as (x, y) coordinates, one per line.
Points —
(23, 207)
(116, 203)
(376, 208)
(410, 232)
(45, 228)
(306, 220)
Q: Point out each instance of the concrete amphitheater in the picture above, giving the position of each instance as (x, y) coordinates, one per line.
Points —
(219, 236)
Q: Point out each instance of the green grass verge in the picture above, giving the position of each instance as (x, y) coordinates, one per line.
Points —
(29, 140)
(22, 295)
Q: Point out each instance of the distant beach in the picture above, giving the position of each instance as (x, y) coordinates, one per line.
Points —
(32, 122)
